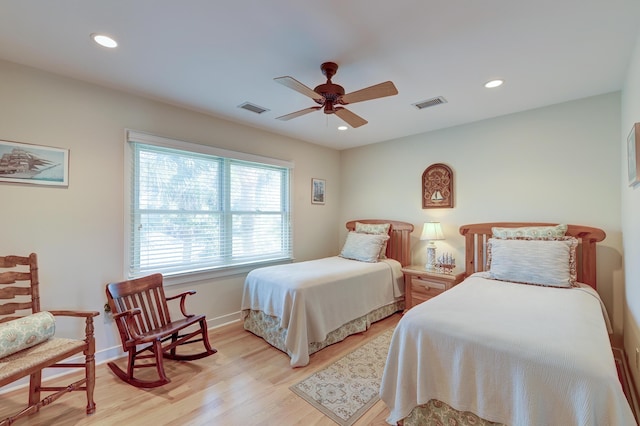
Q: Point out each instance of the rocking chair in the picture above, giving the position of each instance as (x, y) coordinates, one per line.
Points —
(140, 310)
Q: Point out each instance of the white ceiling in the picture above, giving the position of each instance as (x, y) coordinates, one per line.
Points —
(211, 55)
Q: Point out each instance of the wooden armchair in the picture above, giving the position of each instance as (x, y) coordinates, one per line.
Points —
(140, 310)
(19, 285)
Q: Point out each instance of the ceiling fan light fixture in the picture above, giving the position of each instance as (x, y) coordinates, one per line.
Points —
(343, 128)
(493, 83)
(104, 40)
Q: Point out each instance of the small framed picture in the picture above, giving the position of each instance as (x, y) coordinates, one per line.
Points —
(633, 154)
(317, 191)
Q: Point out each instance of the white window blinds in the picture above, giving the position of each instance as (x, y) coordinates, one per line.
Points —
(195, 208)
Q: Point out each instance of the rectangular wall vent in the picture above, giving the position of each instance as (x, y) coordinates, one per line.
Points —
(430, 102)
(253, 107)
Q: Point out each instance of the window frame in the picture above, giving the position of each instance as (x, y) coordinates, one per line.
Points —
(133, 136)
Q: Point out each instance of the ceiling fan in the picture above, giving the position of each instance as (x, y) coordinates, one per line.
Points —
(329, 96)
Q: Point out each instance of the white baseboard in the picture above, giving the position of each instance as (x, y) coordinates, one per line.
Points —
(628, 384)
(108, 354)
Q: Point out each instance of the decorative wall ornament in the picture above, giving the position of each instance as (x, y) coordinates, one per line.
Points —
(437, 186)
(33, 164)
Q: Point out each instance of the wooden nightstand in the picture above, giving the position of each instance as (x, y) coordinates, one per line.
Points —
(421, 285)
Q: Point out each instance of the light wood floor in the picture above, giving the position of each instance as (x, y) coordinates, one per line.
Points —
(245, 383)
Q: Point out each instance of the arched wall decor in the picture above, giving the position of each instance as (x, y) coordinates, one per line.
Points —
(437, 187)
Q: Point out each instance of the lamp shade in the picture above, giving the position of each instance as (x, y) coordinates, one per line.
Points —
(432, 231)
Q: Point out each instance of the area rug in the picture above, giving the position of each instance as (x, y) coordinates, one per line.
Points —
(346, 389)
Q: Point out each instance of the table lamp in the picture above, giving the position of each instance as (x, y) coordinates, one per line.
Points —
(431, 231)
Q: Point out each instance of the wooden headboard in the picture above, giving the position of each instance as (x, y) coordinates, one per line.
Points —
(399, 244)
(476, 236)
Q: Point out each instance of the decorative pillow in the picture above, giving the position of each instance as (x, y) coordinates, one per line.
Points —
(530, 232)
(372, 228)
(547, 262)
(23, 333)
(375, 228)
(363, 247)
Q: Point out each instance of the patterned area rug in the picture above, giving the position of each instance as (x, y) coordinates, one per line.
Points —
(346, 389)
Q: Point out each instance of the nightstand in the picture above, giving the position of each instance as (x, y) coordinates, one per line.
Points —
(421, 285)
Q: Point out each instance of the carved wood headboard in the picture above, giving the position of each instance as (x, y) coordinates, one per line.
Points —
(476, 236)
(399, 244)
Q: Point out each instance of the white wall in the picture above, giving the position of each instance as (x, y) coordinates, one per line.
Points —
(557, 164)
(78, 232)
(631, 216)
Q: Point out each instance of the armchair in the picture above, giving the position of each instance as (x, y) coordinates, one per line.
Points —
(20, 297)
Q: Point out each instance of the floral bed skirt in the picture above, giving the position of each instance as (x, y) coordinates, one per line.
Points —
(268, 327)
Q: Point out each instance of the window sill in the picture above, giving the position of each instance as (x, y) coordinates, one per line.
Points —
(211, 274)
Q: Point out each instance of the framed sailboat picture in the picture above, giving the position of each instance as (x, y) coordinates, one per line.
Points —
(437, 187)
(33, 164)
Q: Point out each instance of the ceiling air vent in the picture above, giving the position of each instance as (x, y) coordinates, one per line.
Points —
(430, 102)
(252, 107)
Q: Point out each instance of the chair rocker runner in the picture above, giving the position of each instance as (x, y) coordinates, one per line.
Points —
(140, 310)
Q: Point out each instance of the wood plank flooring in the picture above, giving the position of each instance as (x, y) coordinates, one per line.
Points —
(245, 383)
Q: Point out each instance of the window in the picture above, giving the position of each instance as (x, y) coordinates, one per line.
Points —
(194, 208)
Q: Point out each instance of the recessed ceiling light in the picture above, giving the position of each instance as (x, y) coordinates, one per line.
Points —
(493, 83)
(104, 40)
(342, 127)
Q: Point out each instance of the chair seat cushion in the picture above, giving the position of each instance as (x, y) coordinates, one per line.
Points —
(53, 350)
(22, 333)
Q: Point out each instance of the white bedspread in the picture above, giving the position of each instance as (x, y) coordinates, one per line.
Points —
(510, 353)
(316, 297)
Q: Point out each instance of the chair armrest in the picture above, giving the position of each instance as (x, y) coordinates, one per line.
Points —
(129, 321)
(85, 314)
(183, 297)
(128, 313)
(88, 329)
(183, 294)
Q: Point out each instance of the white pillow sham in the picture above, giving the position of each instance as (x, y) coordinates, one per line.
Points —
(540, 262)
(375, 228)
(363, 247)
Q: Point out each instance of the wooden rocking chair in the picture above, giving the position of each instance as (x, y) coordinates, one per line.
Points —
(140, 310)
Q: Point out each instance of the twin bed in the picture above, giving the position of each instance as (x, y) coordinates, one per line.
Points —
(522, 341)
(303, 307)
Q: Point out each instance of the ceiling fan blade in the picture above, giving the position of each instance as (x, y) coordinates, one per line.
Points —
(294, 84)
(352, 119)
(372, 92)
(298, 113)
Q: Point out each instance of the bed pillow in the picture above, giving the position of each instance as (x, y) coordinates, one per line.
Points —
(530, 232)
(25, 332)
(363, 247)
(547, 262)
(375, 228)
